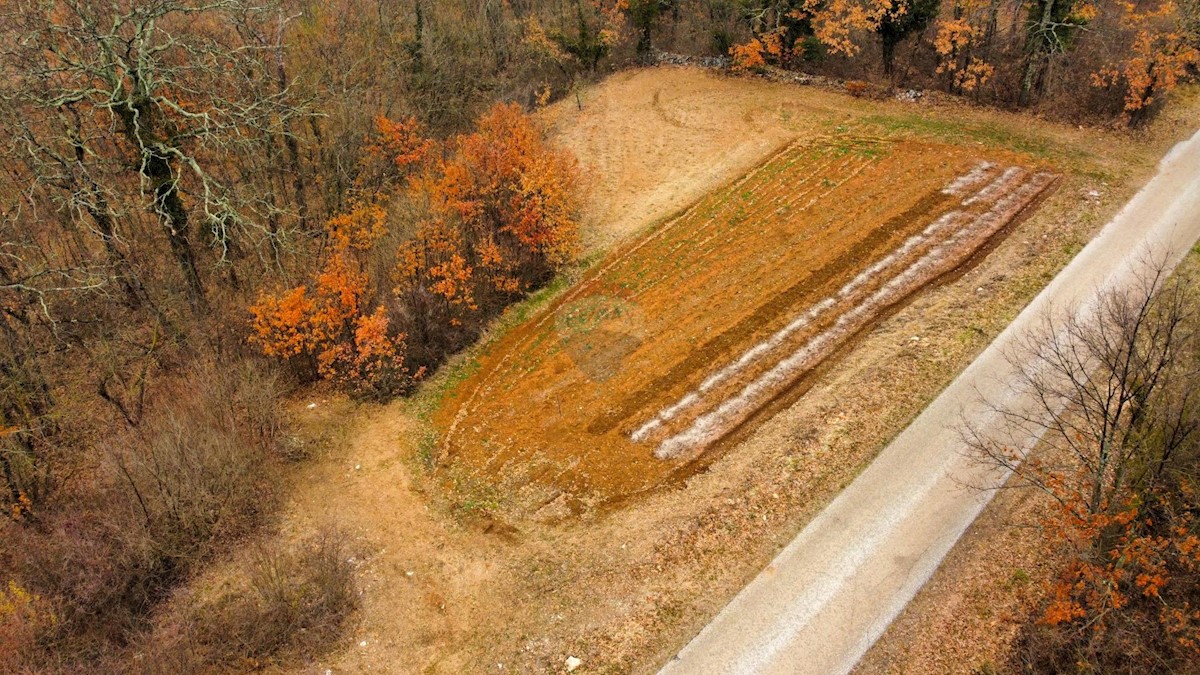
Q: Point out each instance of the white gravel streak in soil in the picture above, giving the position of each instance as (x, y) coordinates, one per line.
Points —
(711, 426)
(762, 349)
(969, 180)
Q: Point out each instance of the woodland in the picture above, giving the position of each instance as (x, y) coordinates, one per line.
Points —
(211, 205)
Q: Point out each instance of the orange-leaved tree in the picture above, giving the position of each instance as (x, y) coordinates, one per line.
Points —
(501, 220)
(1162, 49)
(512, 198)
(788, 31)
(329, 325)
(491, 215)
(398, 150)
(962, 36)
(1111, 394)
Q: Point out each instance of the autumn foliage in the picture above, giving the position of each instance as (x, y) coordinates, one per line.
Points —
(492, 216)
(329, 322)
(1119, 420)
(1159, 53)
(1129, 588)
(512, 198)
(1129, 54)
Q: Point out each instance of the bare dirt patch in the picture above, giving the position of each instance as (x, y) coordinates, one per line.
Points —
(678, 338)
(671, 136)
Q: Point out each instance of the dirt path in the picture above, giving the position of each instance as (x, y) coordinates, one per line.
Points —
(821, 604)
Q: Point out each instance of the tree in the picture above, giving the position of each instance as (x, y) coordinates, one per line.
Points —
(970, 28)
(158, 107)
(514, 198)
(588, 43)
(1115, 405)
(644, 14)
(1051, 29)
(786, 31)
(333, 326)
(901, 20)
(1163, 48)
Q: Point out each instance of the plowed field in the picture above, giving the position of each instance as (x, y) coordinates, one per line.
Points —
(682, 336)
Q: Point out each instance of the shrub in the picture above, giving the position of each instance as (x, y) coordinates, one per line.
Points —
(282, 606)
(160, 498)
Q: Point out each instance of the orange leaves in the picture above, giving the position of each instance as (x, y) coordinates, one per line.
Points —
(369, 362)
(513, 196)
(436, 259)
(780, 32)
(955, 39)
(402, 142)
(834, 21)
(1129, 563)
(341, 290)
(492, 219)
(280, 325)
(749, 56)
(397, 152)
(359, 229)
(1158, 57)
(1157, 62)
(328, 324)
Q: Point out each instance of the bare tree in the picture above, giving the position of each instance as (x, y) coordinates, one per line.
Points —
(124, 108)
(1111, 396)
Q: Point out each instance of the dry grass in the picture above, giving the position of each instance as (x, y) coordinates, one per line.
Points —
(278, 607)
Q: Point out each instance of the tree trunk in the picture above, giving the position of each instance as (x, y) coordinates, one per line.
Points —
(175, 219)
(1035, 59)
(993, 26)
(138, 125)
(293, 148)
(645, 44)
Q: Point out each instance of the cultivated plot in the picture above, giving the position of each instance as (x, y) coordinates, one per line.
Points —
(684, 335)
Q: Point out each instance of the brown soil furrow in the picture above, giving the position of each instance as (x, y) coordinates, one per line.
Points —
(811, 322)
(593, 278)
(769, 313)
(553, 402)
(818, 318)
(736, 408)
(713, 225)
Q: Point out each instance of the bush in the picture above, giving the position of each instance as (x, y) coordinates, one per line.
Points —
(161, 498)
(284, 606)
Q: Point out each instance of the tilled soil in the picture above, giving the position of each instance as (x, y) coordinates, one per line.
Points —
(685, 334)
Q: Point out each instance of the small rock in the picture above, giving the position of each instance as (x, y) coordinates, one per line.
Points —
(573, 663)
(915, 338)
(312, 406)
(357, 467)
